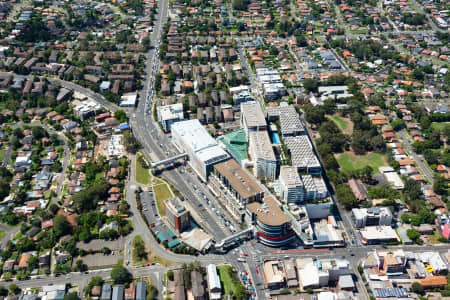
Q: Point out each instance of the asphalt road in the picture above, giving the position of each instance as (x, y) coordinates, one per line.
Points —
(423, 167)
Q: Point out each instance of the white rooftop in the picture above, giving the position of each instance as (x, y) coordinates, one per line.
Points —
(195, 136)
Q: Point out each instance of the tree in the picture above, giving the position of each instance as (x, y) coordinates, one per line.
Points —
(346, 196)
(61, 226)
(311, 85)
(18, 132)
(71, 296)
(406, 218)
(413, 234)
(33, 262)
(38, 132)
(121, 275)
(417, 288)
(120, 115)
(14, 288)
(170, 275)
(314, 114)
(139, 248)
(440, 185)
(131, 143)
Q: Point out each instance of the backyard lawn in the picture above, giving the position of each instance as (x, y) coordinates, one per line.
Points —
(349, 161)
(161, 193)
(142, 173)
(439, 125)
(3, 154)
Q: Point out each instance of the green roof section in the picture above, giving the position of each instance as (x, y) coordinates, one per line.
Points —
(170, 233)
(173, 243)
(236, 143)
(162, 237)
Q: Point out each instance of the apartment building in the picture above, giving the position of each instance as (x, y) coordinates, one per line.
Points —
(262, 154)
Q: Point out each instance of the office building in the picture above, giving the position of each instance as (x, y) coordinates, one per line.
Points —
(262, 154)
(273, 225)
(235, 187)
(176, 214)
(363, 217)
(203, 151)
(214, 286)
(252, 118)
(169, 114)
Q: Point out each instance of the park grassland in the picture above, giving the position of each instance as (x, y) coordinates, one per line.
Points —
(227, 278)
(341, 123)
(351, 162)
(161, 193)
(142, 172)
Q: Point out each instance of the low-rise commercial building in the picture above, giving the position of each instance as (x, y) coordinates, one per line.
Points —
(363, 217)
(371, 235)
(169, 114)
(128, 100)
(203, 151)
(274, 276)
(262, 154)
(316, 273)
(392, 177)
(214, 286)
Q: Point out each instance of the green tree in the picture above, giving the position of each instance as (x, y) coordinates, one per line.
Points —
(14, 288)
(61, 226)
(121, 275)
(417, 288)
(413, 234)
(406, 218)
(440, 185)
(346, 196)
(120, 115)
(71, 296)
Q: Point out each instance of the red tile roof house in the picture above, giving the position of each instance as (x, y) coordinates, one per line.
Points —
(47, 224)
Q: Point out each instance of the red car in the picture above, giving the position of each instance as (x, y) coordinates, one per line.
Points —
(148, 265)
(245, 272)
(245, 254)
(257, 272)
